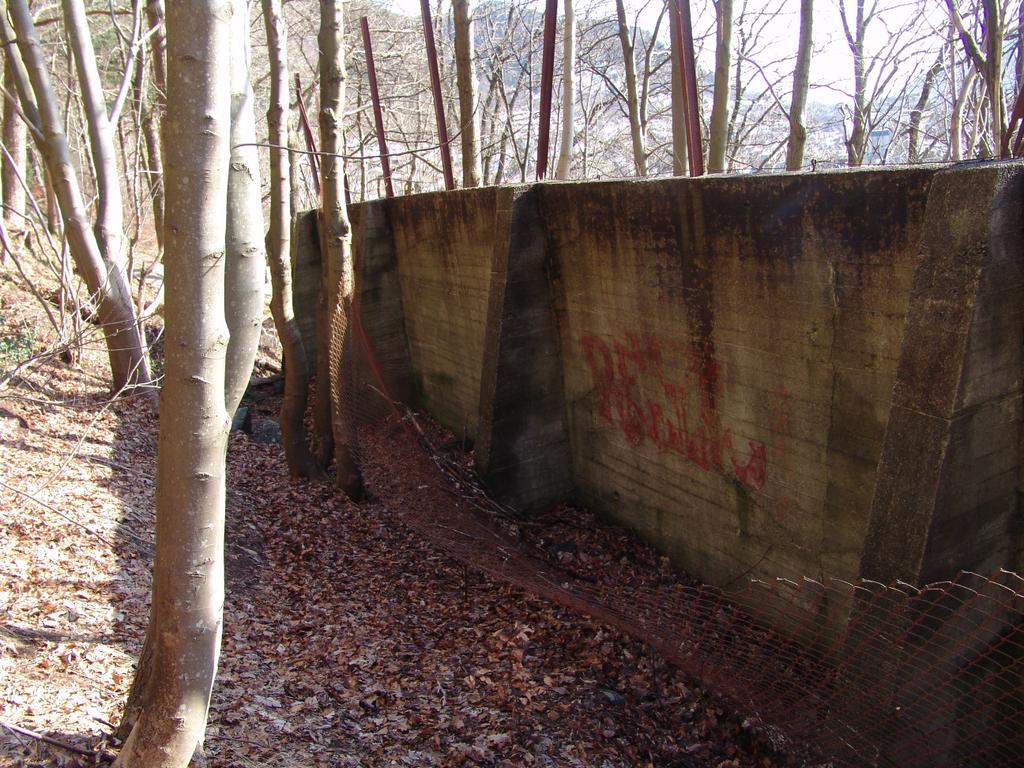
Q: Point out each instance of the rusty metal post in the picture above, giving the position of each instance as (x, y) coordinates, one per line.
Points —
(307, 132)
(435, 86)
(378, 116)
(1015, 126)
(547, 78)
(689, 69)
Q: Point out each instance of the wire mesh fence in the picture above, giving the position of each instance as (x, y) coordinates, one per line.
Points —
(861, 674)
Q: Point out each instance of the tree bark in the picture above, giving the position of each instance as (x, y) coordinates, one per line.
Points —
(636, 130)
(718, 130)
(336, 247)
(245, 268)
(105, 278)
(296, 375)
(856, 141)
(188, 570)
(801, 81)
(987, 58)
(154, 115)
(568, 92)
(465, 73)
(14, 162)
(150, 141)
(917, 113)
(679, 151)
(109, 226)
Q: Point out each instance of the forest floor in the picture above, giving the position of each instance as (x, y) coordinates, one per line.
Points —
(350, 638)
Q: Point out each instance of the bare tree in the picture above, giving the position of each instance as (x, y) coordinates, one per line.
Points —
(718, 131)
(801, 81)
(15, 141)
(293, 405)
(568, 91)
(465, 71)
(917, 113)
(679, 156)
(100, 264)
(636, 129)
(337, 250)
(245, 268)
(188, 571)
(986, 55)
(882, 74)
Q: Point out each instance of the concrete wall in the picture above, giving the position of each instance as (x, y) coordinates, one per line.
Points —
(735, 367)
(729, 350)
(444, 245)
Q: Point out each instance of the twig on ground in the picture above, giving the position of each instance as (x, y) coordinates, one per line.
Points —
(104, 756)
(56, 511)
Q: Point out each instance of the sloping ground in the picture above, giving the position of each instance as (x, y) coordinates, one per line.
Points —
(349, 638)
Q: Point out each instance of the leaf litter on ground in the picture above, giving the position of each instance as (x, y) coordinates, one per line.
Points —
(350, 637)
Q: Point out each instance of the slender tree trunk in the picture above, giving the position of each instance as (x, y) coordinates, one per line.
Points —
(801, 81)
(336, 246)
(245, 268)
(679, 156)
(14, 163)
(105, 279)
(568, 92)
(1019, 67)
(465, 73)
(154, 115)
(154, 167)
(158, 47)
(188, 570)
(856, 142)
(296, 376)
(636, 130)
(718, 130)
(956, 121)
(994, 32)
(917, 113)
(109, 205)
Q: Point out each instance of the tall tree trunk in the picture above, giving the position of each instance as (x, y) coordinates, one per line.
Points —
(296, 376)
(636, 130)
(109, 205)
(679, 157)
(956, 121)
(188, 570)
(337, 250)
(105, 279)
(245, 268)
(154, 148)
(15, 161)
(994, 32)
(568, 92)
(801, 81)
(917, 113)
(718, 130)
(987, 58)
(154, 167)
(856, 141)
(465, 73)
(158, 47)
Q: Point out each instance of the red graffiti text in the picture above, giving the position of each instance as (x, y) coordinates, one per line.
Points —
(676, 411)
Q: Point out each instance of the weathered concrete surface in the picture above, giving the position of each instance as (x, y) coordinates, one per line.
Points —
(523, 457)
(305, 253)
(947, 496)
(729, 350)
(444, 245)
(713, 362)
(385, 369)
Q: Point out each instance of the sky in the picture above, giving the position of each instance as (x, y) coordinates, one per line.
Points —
(831, 64)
